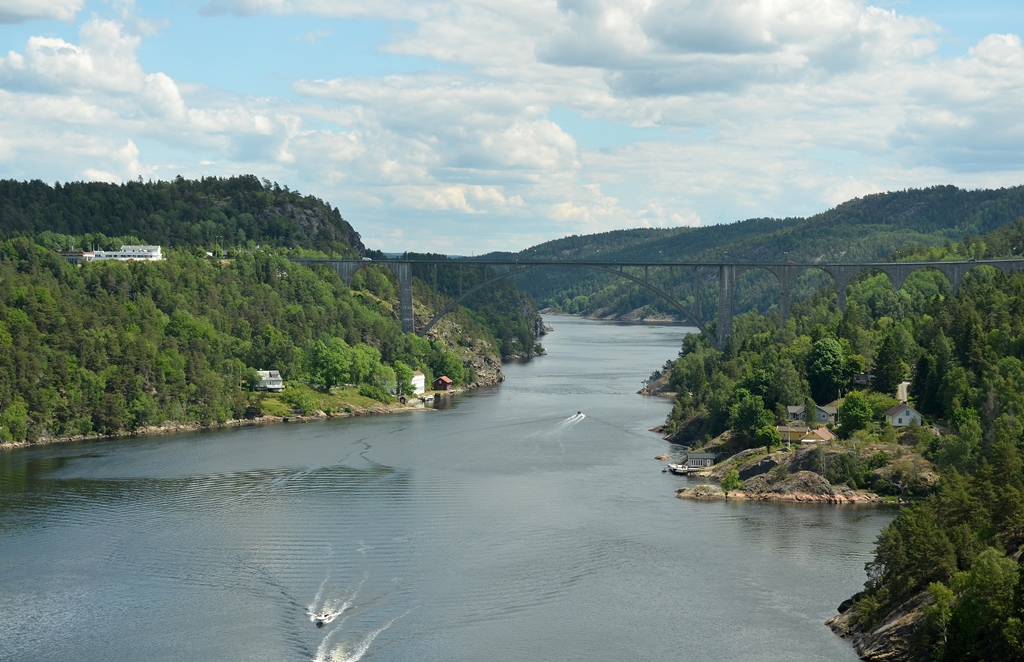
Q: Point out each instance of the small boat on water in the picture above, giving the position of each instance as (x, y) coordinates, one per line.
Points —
(681, 469)
(321, 619)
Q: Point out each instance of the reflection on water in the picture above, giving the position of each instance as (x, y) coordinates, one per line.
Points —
(528, 521)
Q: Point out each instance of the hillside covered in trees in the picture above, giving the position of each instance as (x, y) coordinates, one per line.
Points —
(946, 582)
(877, 227)
(236, 212)
(111, 347)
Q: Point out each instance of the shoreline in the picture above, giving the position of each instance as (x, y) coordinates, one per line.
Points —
(176, 427)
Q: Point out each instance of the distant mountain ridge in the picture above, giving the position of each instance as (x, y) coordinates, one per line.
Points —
(876, 227)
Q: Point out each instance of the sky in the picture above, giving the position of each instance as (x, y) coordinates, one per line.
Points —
(470, 126)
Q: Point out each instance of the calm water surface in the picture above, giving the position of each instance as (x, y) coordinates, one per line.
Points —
(499, 529)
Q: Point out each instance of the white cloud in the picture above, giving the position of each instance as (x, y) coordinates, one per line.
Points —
(160, 95)
(460, 198)
(697, 46)
(105, 61)
(590, 211)
(20, 11)
(1000, 50)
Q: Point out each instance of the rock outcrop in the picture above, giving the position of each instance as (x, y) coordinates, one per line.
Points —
(889, 641)
(802, 487)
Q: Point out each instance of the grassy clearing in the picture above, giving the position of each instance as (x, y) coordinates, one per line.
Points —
(302, 400)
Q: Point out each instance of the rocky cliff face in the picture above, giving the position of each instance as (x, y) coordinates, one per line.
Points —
(892, 640)
(477, 353)
(319, 223)
(485, 363)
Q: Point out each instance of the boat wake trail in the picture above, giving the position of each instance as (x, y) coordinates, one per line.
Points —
(353, 652)
(573, 420)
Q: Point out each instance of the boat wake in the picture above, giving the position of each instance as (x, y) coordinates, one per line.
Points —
(351, 652)
(575, 418)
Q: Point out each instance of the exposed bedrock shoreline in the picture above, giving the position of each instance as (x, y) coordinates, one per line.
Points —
(715, 492)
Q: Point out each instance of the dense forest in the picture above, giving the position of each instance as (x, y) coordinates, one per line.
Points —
(110, 347)
(235, 212)
(877, 227)
(113, 346)
(948, 564)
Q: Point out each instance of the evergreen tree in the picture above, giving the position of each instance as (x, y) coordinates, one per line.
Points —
(888, 371)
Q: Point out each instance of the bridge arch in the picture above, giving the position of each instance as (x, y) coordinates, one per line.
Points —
(785, 275)
(519, 269)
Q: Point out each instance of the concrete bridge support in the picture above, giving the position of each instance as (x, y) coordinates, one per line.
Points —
(347, 269)
(726, 297)
(785, 274)
(403, 271)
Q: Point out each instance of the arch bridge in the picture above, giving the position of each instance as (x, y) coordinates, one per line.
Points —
(639, 272)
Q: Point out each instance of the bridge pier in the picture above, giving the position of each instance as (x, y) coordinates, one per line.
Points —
(841, 274)
(347, 269)
(403, 270)
(696, 292)
(726, 296)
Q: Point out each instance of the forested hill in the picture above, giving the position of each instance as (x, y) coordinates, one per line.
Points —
(109, 347)
(872, 228)
(947, 580)
(234, 212)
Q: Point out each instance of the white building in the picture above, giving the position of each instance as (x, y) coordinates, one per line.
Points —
(419, 383)
(822, 414)
(270, 380)
(129, 253)
(903, 415)
(126, 254)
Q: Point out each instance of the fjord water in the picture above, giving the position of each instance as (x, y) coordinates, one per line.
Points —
(504, 527)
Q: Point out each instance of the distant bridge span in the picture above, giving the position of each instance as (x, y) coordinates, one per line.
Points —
(728, 272)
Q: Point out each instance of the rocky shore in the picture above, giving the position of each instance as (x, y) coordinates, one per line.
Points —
(892, 640)
(801, 487)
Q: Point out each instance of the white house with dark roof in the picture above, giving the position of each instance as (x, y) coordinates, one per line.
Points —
(903, 415)
(270, 380)
(419, 383)
(822, 414)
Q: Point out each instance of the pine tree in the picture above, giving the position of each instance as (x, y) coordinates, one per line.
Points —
(888, 372)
